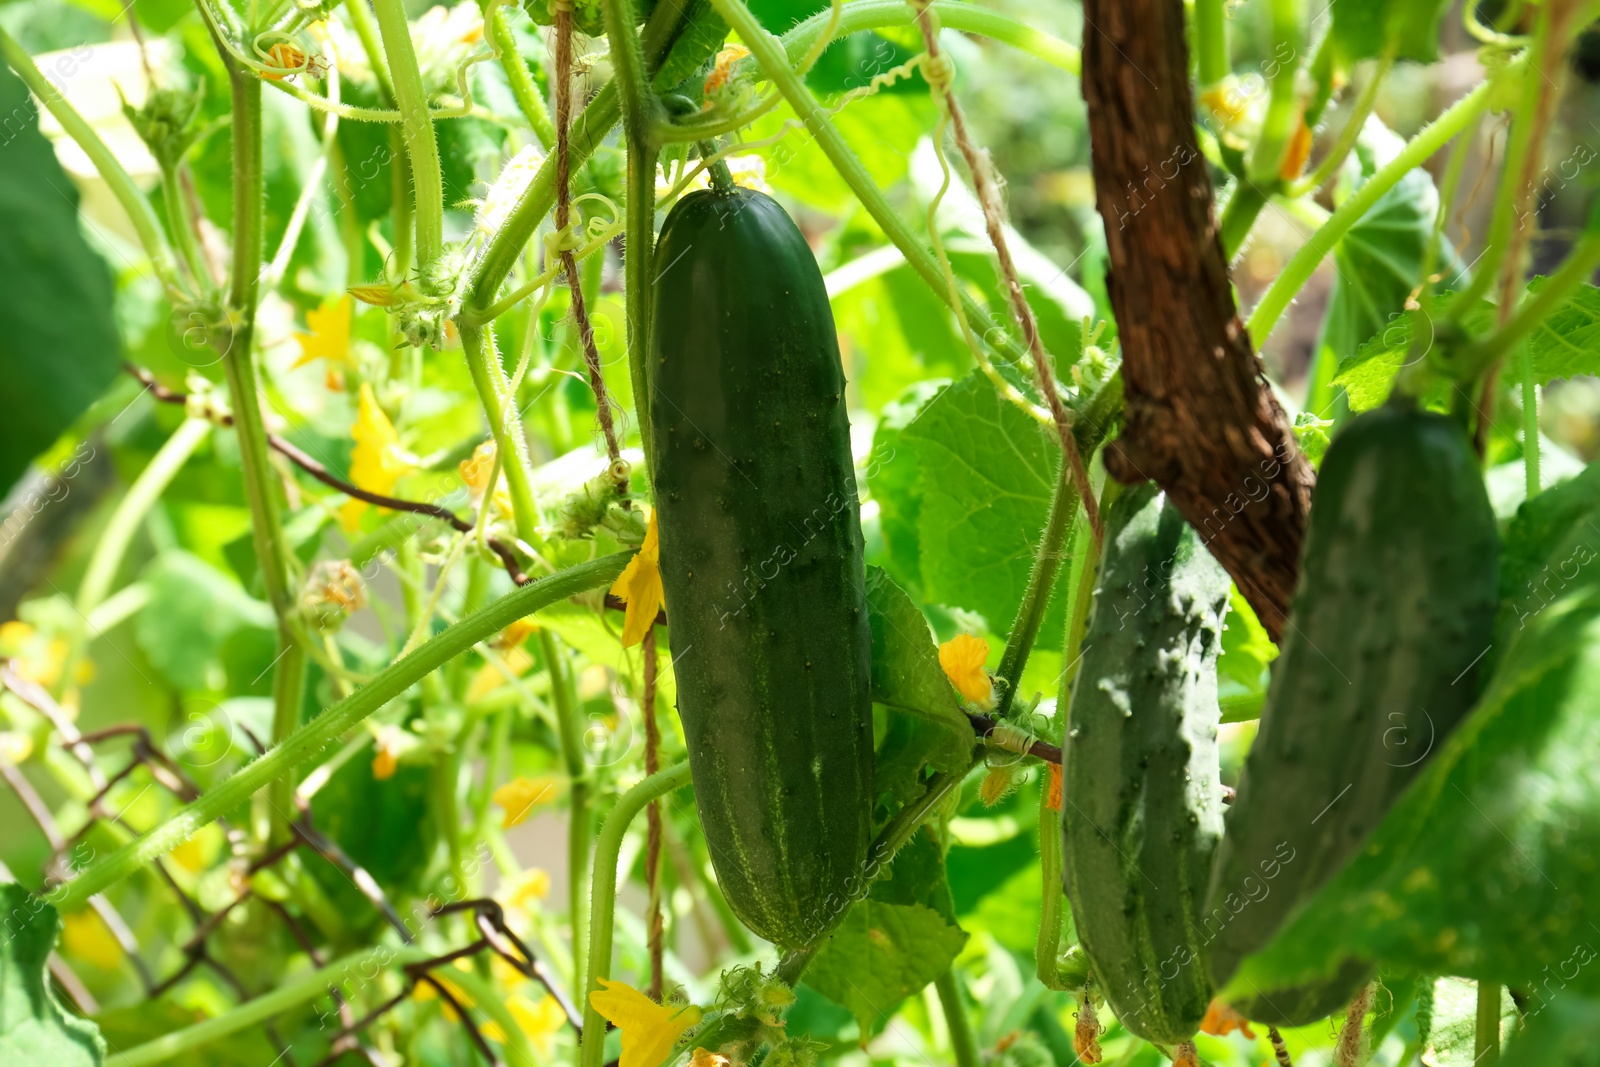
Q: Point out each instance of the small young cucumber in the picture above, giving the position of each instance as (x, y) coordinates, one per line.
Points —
(761, 561)
(1142, 785)
(1394, 612)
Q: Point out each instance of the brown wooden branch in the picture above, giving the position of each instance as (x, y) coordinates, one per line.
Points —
(1201, 420)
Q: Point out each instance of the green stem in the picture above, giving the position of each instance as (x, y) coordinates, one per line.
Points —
(1211, 41)
(272, 548)
(603, 901)
(1530, 425)
(351, 972)
(580, 824)
(505, 425)
(1083, 599)
(523, 89)
(627, 60)
(953, 15)
(1041, 585)
(1283, 101)
(604, 111)
(423, 150)
(774, 59)
(122, 187)
(1048, 945)
(1532, 313)
(1486, 1037)
(367, 32)
(1352, 129)
(963, 1046)
(638, 108)
(1239, 215)
(181, 231)
(1304, 262)
(310, 741)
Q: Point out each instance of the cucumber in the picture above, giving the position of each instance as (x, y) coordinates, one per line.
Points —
(1393, 614)
(1140, 764)
(761, 561)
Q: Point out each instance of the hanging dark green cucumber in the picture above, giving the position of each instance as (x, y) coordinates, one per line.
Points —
(761, 560)
(1141, 776)
(1394, 612)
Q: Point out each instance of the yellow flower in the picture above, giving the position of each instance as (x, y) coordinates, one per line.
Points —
(649, 1030)
(1299, 150)
(962, 658)
(1222, 1020)
(521, 795)
(532, 884)
(491, 676)
(85, 937)
(541, 1021)
(475, 473)
(329, 336)
(378, 461)
(640, 587)
(706, 1058)
(393, 742)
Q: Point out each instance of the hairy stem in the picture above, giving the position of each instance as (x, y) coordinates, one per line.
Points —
(505, 424)
(603, 901)
(523, 89)
(1417, 151)
(963, 1046)
(417, 124)
(345, 974)
(310, 741)
(1041, 585)
(580, 821)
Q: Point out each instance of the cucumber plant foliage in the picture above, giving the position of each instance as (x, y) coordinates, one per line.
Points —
(677, 517)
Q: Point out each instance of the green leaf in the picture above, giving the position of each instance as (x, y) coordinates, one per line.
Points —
(1243, 667)
(193, 609)
(1378, 262)
(1565, 345)
(881, 954)
(1529, 576)
(383, 825)
(917, 876)
(988, 470)
(1564, 1033)
(34, 1028)
(906, 676)
(894, 481)
(58, 344)
(1362, 28)
(1485, 864)
(905, 661)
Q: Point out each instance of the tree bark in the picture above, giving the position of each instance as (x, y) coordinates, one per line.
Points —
(1201, 419)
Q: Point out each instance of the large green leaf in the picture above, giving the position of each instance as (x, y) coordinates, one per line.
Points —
(1377, 263)
(33, 1027)
(1529, 577)
(58, 343)
(894, 482)
(1564, 345)
(988, 470)
(1563, 1032)
(928, 727)
(193, 609)
(1362, 28)
(1486, 865)
(905, 661)
(881, 954)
